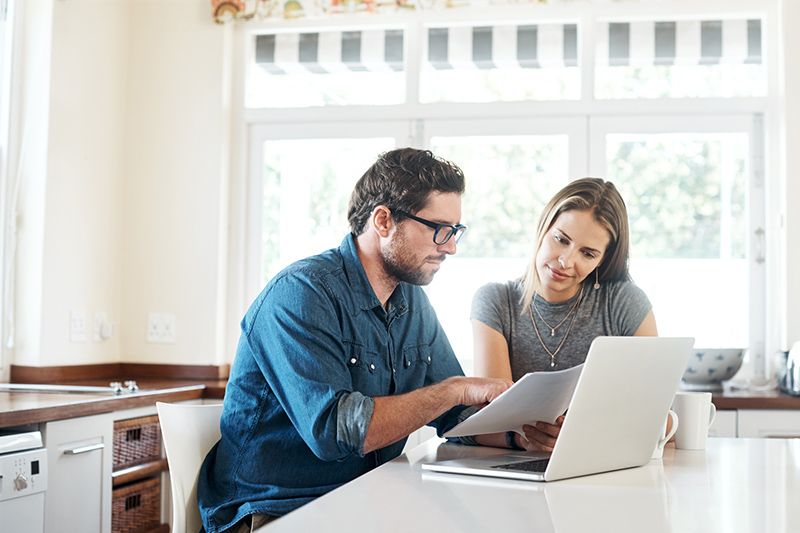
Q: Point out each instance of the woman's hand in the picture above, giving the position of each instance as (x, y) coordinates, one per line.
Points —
(541, 437)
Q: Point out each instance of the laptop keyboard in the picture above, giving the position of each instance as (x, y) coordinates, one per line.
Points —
(539, 465)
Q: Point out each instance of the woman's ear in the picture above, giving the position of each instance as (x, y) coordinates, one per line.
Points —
(382, 220)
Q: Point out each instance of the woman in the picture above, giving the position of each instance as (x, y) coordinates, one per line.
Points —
(577, 288)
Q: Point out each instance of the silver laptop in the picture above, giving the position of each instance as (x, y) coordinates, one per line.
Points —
(614, 418)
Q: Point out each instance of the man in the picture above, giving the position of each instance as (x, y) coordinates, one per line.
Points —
(341, 356)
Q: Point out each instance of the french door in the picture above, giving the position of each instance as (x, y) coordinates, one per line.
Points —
(693, 187)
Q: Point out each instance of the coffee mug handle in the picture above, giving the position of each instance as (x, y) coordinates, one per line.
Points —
(674, 416)
(712, 413)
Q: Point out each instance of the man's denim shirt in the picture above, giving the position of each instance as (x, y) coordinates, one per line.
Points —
(316, 348)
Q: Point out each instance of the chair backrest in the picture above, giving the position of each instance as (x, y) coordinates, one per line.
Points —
(189, 432)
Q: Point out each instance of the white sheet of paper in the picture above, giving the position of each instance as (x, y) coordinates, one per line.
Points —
(536, 396)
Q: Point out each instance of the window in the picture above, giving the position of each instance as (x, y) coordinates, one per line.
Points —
(500, 63)
(678, 59)
(327, 68)
(692, 193)
(668, 107)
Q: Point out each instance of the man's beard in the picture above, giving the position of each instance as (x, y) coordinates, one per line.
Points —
(398, 260)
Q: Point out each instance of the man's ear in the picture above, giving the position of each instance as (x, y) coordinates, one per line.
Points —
(382, 221)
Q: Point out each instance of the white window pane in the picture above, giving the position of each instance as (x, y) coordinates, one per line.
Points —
(509, 180)
(306, 187)
(500, 84)
(680, 81)
(304, 89)
(687, 205)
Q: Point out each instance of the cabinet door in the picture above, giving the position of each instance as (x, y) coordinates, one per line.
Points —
(771, 423)
(78, 497)
(724, 424)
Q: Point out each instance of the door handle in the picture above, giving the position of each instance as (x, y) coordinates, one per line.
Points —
(85, 449)
(760, 255)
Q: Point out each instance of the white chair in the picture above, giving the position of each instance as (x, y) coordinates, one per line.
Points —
(189, 432)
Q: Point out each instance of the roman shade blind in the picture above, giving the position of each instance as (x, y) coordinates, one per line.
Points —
(330, 51)
(503, 46)
(682, 42)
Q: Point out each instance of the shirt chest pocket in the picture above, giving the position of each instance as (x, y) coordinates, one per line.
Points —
(369, 370)
(416, 361)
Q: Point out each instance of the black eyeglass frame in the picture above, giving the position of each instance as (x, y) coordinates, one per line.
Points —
(453, 229)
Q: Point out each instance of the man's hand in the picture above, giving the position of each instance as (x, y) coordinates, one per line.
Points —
(541, 437)
(480, 391)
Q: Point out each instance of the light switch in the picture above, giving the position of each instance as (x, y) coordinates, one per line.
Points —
(77, 326)
(103, 327)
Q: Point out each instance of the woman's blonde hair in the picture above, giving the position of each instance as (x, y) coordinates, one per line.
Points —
(602, 199)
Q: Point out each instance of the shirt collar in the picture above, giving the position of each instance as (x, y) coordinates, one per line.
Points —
(362, 290)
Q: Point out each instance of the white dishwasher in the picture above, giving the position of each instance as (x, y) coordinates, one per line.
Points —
(23, 481)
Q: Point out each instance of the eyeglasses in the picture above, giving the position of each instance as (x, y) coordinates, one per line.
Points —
(441, 232)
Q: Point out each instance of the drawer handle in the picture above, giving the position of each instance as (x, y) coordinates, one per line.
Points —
(85, 449)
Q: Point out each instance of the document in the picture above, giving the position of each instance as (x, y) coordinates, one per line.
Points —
(537, 396)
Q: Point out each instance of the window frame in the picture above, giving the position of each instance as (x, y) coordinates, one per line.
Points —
(419, 119)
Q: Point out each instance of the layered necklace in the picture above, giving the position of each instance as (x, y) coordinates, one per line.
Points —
(571, 313)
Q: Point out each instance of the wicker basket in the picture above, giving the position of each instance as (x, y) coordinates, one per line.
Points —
(136, 440)
(136, 507)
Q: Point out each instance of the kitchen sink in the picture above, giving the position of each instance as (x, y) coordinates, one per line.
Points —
(115, 387)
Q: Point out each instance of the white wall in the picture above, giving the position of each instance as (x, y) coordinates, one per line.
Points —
(790, 19)
(85, 169)
(124, 204)
(174, 217)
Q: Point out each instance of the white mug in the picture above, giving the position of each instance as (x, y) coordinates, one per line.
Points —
(696, 413)
(659, 449)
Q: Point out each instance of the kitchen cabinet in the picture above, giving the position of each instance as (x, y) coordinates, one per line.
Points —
(78, 497)
(724, 425)
(80, 459)
(771, 423)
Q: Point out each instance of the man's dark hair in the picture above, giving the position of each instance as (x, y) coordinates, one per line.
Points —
(401, 180)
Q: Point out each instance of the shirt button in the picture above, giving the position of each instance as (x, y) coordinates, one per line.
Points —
(353, 361)
(429, 358)
(371, 366)
(407, 363)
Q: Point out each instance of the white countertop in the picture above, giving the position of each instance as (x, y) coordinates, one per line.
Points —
(734, 485)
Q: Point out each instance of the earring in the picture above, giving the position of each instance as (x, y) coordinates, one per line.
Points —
(596, 278)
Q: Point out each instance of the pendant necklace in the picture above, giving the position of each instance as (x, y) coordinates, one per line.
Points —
(569, 328)
(553, 329)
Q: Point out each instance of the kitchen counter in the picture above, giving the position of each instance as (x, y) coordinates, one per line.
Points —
(748, 399)
(157, 382)
(736, 485)
(22, 408)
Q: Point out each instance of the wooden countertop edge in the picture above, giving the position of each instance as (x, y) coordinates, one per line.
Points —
(98, 406)
(756, 402)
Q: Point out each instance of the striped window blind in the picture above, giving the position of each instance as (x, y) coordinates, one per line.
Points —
(330, 51)
(503, 46)
(700, 42)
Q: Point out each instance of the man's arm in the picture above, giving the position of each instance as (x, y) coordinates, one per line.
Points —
(395, 417)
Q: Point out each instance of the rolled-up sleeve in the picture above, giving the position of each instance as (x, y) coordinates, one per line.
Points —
(354, 414)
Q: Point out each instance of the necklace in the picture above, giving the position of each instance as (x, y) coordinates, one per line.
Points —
(553, 329)
(569, 328)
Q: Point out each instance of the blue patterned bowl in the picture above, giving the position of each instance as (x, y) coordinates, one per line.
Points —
(712, 366)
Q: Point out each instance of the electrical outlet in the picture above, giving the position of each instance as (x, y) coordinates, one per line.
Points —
(161, 327)
(103, 327)
(77, 326)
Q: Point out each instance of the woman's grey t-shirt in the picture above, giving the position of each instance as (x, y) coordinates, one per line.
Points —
(616, 308)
